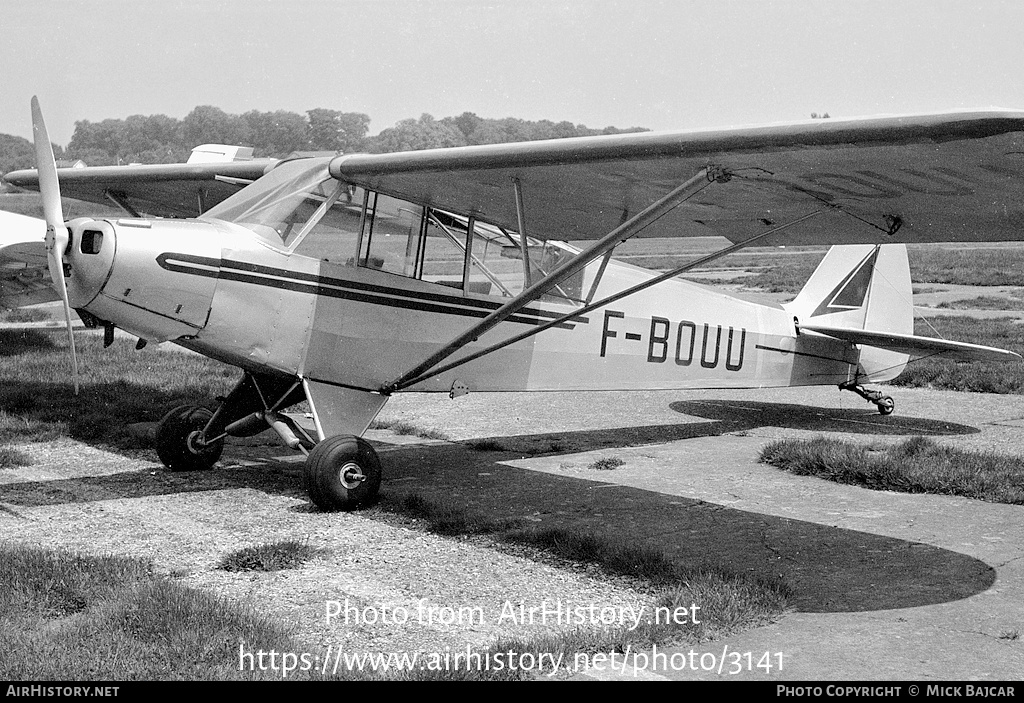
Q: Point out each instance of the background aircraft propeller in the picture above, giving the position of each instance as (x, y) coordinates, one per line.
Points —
(56, 233)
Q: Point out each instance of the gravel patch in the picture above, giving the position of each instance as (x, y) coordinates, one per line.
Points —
(407, 590)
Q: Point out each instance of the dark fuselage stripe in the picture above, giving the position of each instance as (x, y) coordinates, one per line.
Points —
(348, 290)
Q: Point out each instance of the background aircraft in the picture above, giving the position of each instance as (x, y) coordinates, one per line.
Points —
(342, 280)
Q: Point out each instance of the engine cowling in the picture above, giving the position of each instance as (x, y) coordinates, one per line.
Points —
(119, 271)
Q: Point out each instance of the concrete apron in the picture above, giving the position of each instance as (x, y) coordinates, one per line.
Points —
(889, 585)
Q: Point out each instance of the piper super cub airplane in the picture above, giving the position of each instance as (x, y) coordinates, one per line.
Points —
(341, 280)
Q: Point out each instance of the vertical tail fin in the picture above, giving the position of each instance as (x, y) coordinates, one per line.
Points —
(863, 287)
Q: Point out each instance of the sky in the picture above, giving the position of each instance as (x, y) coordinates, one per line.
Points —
(663, 65)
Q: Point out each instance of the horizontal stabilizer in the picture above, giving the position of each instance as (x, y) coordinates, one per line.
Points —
(915, 346)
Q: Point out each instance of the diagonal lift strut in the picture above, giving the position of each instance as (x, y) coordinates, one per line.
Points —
(681, 193)
(609, 300)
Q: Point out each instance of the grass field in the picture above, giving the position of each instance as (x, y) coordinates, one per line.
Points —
(977, 376)
(68, 617)
(986, 266)
(120, 386)
(985, 302)
(786, 270)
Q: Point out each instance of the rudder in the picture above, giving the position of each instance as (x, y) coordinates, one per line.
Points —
(865, 287)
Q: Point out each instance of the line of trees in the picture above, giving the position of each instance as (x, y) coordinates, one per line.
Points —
(15, 153)
(161, 139)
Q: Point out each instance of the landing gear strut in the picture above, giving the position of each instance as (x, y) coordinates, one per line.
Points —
(192, 437)
(341, 472)
(884, 403)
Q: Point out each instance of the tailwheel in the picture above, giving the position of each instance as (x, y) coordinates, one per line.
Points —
(342, 473)
(179, 440)
(884, 403)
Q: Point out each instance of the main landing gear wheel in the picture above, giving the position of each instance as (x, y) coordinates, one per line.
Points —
(886, 405)
(342, 473)
(177, 440)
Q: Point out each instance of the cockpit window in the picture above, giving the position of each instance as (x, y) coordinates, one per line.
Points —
(431, 245)
(299, 207)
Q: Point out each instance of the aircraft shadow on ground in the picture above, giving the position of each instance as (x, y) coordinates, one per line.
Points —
(101, 414)
(734, 415)
(830, 569)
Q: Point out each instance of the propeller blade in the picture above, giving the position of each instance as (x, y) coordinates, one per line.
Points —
(56, 233)
(48, 186)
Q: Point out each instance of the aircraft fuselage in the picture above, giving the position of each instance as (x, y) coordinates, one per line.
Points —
(218, 289)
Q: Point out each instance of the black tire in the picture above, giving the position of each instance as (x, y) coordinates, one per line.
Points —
(173, 444)
(342, 473)
(886, 405)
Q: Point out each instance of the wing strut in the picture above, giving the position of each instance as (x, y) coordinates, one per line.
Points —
(121, 200)
(606, 301)
(706, 176)
(523, 238)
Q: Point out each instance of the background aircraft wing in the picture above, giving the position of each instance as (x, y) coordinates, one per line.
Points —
(915, 346)
(946, 177)
(24, 272)
(160, 190)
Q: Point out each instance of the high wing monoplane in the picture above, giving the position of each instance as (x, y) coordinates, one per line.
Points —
(341, 280)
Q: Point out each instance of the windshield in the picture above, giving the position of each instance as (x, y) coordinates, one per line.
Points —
(279, 204)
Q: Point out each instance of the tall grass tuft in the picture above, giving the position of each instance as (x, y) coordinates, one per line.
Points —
(445, 519)
(575, 545)
(608, 463)
(918, 465)
(11, 457)
(275, 556)
(401, 427)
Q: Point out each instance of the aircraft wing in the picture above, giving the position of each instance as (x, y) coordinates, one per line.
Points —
(159, 190)
(915, 346)
(24, 275)
(956, 176)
